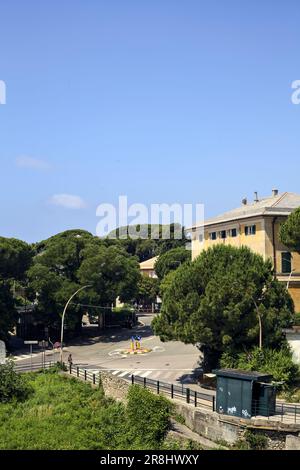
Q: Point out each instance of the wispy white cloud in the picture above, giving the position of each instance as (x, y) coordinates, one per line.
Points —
(68, 201)
(25, 161)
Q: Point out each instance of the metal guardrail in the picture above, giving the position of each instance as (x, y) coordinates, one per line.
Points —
(180, 392)
(173, 391)
(283, 412)
(35, 366)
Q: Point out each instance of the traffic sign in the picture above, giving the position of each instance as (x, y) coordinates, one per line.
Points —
(43, 344)
(30, 342)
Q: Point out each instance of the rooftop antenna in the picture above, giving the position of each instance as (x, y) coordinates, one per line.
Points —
(256, 196)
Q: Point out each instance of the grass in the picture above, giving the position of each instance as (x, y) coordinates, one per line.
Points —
(60, 414)
(65, 414)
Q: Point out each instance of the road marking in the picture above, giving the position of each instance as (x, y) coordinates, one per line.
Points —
(115, 372)
(145, 374)
(124, 373)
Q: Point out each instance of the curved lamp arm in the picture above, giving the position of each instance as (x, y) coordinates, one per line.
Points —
(63, 318)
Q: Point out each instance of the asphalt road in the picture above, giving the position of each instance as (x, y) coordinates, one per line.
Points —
(172, 362)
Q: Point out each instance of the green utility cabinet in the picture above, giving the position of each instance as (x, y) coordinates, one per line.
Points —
(244, 393)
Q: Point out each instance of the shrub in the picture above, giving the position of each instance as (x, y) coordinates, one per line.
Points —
(256, 441)
(12, 385)
(148, 417)
(277, 363)
(297, 319)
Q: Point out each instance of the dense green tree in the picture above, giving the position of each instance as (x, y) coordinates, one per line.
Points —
(146, 247)
(74, 258)
(290, 231)
(111, 272)
(8, 314)
(148, 290)
(15, 258)
(214, 302)
(171, 260)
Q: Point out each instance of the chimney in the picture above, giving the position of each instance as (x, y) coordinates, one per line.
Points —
(275, 192)
(256, 196)
(244, 201)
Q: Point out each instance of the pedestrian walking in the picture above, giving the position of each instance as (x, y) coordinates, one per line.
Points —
(70, 360)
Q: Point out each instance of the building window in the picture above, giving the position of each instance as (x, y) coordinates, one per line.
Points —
(223, 234)
(201, 238)
(233, 232)
(286, 263)
(250, 230)
(213, 236)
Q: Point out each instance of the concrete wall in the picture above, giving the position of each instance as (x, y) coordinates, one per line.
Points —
(211, 425)
(293, 338)
(292, 443)
(217, 428)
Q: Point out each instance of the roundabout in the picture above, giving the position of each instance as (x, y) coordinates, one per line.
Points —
(132, 352)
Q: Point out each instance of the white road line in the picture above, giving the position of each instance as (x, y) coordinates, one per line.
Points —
(136, 372)
(124, 373)
(115, 372)
(155, 375)
(145, 374)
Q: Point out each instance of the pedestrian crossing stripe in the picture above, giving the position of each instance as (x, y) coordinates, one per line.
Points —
(123, 373)
(145, 374)
(154, 374)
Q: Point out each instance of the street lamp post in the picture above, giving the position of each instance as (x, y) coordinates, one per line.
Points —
(63, 318)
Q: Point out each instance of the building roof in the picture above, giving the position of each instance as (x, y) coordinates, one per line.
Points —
(281, 204)
(242, 374)
(149, 263)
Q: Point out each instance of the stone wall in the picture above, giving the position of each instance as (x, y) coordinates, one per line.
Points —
(211, 425)
(292, 443)
(114, 387)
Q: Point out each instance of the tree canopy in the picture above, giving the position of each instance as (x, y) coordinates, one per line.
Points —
(72, 259)
(171, 260)
(147, 290)
(211, 302)
(15, 258)
(290, 231)
(144, 246)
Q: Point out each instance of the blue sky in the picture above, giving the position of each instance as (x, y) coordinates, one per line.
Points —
(162, 101)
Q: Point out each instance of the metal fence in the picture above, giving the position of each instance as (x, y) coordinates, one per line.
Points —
(171, 390)
(85, 374)
(283, 412)
(174, 391)
(34, 367)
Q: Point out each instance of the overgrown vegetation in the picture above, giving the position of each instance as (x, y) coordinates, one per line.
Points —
(251, 441)
(277, 363)
(148, 417)
(13, 386)
(63, 413)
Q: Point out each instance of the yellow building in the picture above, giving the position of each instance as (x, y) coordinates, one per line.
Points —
(256, 225)
(147, 267)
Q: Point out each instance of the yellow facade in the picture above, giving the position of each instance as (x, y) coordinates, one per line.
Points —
(265, 241)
